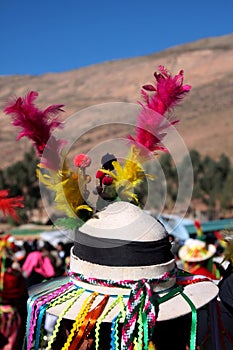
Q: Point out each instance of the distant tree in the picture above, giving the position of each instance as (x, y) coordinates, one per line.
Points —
(21, 179)
(208, 173)
(187, 171)
(223, 167)
(196, 163)
(212, 180)
(226, 199)
(171, 178)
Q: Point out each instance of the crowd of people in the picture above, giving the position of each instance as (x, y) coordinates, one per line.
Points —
(31, 263)
(24, 264)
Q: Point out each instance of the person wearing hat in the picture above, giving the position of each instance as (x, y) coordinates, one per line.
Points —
(123, 289)
(197, 256)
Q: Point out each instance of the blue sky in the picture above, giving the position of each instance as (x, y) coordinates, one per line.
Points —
(60, 35)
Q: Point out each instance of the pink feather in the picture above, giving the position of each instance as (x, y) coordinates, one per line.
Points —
(35, 124)
(167, 91)
(150, 131)
(158, 99)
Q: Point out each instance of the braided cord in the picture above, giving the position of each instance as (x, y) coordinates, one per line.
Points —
(136, 302)
(122, 283)
(132, 312)
(140, 328)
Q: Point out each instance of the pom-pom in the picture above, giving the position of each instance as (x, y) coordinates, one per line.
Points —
(99, 175)
(107, 180)
(82, 161)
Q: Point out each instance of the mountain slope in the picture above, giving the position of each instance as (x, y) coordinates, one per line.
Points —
(205, 114)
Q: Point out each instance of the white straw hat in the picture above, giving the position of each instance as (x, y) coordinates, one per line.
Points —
(130, 231)
(195, 250)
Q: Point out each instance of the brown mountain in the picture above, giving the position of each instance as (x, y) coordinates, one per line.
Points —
(205, 113)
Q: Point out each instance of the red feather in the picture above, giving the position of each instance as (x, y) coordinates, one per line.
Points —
(8, 205)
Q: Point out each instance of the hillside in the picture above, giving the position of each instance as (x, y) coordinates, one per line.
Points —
(205, 113)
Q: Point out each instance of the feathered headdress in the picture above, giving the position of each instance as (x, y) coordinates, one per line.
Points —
(117, 181)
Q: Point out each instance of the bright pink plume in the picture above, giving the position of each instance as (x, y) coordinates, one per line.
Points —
(36, 124)
(152, 124)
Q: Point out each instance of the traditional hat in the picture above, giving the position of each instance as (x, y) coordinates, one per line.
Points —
(123, 247)
(195, 250)
(122, 271)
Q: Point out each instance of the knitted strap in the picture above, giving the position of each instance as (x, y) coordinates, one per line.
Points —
(140, 297)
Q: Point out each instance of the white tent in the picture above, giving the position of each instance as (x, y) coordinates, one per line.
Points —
(53, 237)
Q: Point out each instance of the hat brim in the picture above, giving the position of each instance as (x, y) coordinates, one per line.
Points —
(175, 307)
(185, 256)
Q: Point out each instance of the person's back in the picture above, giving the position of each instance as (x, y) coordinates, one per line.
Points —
(37, 267)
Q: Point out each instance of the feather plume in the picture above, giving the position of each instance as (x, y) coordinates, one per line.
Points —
(152, 124)
(8, 205)
(126, 177)
(35, 123)
(167, 91)
(150, 131)
(69, 187)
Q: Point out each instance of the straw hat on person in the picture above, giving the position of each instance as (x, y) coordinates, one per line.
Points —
(121, 267)
(123, 243)
(195, 250)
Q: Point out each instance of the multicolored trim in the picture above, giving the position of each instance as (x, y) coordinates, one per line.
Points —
(138, 317)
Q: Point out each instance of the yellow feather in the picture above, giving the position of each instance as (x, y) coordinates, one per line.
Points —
(128, 176)
(69, 188)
